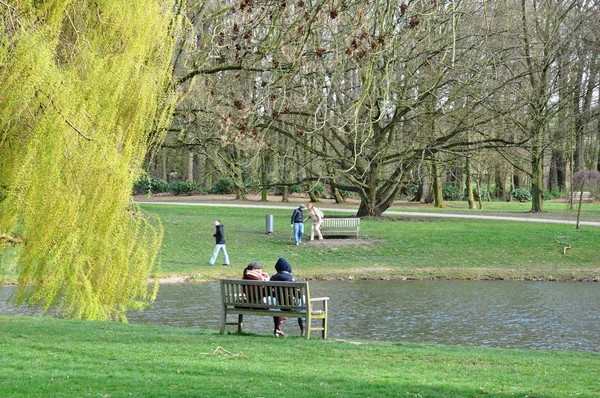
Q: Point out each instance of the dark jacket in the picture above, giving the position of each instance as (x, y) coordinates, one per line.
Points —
(219, 235)
(284, 271)
(297, 216)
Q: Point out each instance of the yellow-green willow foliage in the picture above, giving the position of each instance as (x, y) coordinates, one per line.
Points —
(84, 87)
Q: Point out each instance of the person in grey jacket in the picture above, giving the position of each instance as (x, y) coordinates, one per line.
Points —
(219, 244)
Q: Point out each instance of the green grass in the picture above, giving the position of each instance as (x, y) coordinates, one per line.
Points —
(47, 357)
(553, 210)
(51, 357)
(391, 247)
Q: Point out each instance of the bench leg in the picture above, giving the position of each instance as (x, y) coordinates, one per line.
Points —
(240, 323)
(223, 323)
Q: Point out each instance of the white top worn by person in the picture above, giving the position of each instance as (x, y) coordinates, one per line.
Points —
(316, 216)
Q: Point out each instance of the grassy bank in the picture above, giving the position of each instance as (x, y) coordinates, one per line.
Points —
(49, 357)
(391, 247)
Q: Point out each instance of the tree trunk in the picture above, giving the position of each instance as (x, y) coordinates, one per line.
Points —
(336, 193)
(209, 173)
(479, 195)
(163, 158)
(558, 172)
(284, 176)
(264, 176)
(312, 196)
(285, 194)
(438, 197)
(579, 206)
(500, 184)
(190, 166)
(236, 172)
(537, 183)
(469, 183)
(197, 168)
(598, 141)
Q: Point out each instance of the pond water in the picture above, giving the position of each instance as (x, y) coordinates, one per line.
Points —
(532, 315)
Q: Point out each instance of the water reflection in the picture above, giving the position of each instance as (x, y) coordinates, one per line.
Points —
(533, 315)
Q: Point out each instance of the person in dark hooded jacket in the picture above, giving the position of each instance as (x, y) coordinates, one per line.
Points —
(219, 236)
(284, 274)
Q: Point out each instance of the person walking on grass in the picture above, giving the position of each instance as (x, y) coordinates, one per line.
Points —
(316, 215)
(298, 223)
(219, 244)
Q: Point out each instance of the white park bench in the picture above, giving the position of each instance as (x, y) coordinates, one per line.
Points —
(341, 225)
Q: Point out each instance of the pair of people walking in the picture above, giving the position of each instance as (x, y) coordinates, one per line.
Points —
(298, 220)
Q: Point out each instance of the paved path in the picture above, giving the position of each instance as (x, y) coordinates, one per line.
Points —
(387, 212)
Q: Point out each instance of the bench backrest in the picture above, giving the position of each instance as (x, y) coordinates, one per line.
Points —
(341, 222)
(264, 294)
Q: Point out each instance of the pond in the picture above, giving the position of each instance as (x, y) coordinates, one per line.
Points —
(531, 315)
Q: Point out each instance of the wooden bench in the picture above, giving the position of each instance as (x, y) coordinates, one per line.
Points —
(341, 225)
(249, 297)
(585, 198)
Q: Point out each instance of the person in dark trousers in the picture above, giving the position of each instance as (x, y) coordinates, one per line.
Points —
(284, 274)
(298, 223)
(219, 244)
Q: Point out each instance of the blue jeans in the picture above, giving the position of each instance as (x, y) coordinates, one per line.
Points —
(216, 252)
(298, 232)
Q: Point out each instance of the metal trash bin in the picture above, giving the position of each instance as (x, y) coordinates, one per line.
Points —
(269, 223)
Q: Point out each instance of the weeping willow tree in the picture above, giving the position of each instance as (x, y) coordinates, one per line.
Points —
(84, 88)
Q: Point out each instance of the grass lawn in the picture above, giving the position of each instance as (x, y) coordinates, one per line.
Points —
(391, 247)
(45, 357)
(48, 357)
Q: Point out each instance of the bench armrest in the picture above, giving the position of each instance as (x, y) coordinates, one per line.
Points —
(319, 298)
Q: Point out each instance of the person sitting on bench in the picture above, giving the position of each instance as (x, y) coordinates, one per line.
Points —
(284, 274)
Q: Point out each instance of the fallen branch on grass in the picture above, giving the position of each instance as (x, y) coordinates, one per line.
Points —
(567, 246)
(11, 239)
(222, 351)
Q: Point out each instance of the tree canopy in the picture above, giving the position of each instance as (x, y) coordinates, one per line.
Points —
(85, 91)
(379, 97)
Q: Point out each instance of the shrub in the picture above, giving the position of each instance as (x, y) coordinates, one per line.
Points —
(484, 193)
(450, 192)
(347, 194)
(223, 186)
(521, 194)
(555, 194)
(319, 190)
(150, 185)
(253, 185)
(295, 188)
(414, 189)
(185, 188)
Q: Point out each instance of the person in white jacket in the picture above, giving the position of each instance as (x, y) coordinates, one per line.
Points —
(316, 216)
